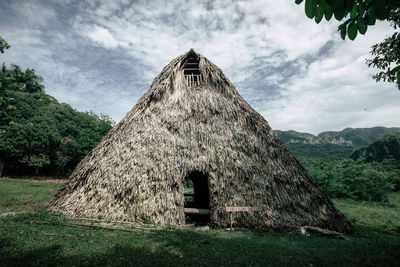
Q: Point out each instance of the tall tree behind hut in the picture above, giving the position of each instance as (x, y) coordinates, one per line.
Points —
(39, 135)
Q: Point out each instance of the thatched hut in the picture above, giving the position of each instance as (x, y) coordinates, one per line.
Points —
(193, 124)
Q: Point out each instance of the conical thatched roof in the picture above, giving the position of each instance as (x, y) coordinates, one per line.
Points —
(195, 121)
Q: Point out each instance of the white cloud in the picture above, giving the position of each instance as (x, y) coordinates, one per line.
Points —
(103, 36)
(270, 49)
(337, 92)
(231, 34)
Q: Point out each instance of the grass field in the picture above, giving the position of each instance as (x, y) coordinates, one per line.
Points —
(38, 238)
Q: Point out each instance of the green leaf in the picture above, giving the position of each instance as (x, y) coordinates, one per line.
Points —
(333, 3)
(381, 10)
(361, 26)
(298, 1)
(319, 15)
(396, 69)
(339, 14)
(328, 12)
(310, 8)
(342, 29)
(349, 4)
(353, 12)
(398, 79)
(339, 11)
(352, 31)
(322, 4)
(360, 10)
(371, 17)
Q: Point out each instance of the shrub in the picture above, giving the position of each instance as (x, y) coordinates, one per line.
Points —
(357, 180)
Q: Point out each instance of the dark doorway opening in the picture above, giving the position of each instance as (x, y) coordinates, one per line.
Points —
(197, 198)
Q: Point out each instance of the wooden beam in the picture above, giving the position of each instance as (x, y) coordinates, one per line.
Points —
(197, 211)
(236, 209)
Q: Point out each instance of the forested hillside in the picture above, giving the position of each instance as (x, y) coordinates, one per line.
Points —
(367, 173)
(354, 137)
(320, 151)
(39, 135)
(384, 148)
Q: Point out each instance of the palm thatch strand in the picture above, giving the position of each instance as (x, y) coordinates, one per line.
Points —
(177, 128)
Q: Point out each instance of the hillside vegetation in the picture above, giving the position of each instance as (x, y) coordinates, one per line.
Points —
(39, 135)
(368, 173)
(385, 147)
(319, 151)
(354, 137)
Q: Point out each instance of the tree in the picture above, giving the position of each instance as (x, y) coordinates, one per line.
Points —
(358, 180)
(387, 53)
(360, 14)
(24, 81)
(3, 45)
(364, 182)
(37, 133)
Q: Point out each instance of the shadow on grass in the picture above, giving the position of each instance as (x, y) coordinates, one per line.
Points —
(118, 255)
(24, 243)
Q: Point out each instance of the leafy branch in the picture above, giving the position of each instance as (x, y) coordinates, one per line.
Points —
(360, 15)
(3, 45)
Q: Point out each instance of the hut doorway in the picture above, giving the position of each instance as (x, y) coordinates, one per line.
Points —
(197, 198)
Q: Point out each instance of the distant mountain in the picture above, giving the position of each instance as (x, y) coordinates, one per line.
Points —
(351, 137)
(385, 147)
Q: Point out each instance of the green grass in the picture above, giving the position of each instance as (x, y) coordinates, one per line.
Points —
(189, 190)
(40, 238)
(379, 216)
(26, 195)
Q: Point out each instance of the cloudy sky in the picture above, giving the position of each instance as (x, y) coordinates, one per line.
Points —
(102, 55)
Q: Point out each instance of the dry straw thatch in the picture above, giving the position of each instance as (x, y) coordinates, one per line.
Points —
(138, 170)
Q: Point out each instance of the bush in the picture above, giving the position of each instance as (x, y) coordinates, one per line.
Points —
(363, 182)
(357, 180)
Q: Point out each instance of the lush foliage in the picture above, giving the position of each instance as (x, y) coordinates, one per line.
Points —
(3, 45)
(357, 180)
(360, 14)
(43, 239)
(39, 135)
(384, 155)
(387, 53)
(305, 152)
(373, 173)
(354, 137)
(384, 148)
(21, 81)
